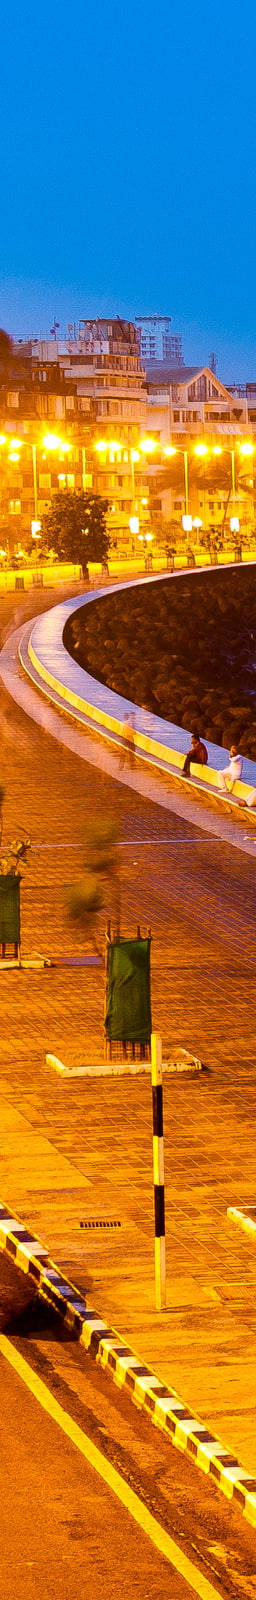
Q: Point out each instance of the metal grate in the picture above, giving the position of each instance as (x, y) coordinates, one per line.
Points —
(99, 1222)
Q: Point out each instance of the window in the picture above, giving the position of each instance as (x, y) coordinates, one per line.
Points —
(15, 507)
(44, 480)
(59, 406)
(70, 403)
(71, 480)
(13, 398)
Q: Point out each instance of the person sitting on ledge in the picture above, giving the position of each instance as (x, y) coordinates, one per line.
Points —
(233, 772)
(197, 753)
(246, 805)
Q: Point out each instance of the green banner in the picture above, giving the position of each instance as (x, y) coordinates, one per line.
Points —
(9, 909)
(128, 1007)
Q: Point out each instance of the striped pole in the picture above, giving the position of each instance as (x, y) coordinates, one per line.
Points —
(158, 1169)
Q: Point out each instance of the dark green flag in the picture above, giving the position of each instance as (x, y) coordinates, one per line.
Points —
(128, 1008)
(9, 908)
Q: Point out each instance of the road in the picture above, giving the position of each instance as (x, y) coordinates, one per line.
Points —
(63, 1530)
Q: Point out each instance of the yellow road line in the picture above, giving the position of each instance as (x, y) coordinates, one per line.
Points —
(144, 1519)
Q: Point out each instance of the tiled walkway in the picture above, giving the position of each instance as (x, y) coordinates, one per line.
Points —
(71, 1152)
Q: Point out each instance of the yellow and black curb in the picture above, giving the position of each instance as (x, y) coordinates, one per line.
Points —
(145, 1388)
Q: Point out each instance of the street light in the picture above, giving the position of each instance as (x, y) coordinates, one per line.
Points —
(147, 446)
(197, 523)
(173, 450)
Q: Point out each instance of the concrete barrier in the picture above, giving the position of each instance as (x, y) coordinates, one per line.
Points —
(164, 744)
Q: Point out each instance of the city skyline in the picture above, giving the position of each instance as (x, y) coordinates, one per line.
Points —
(30, 312)
(128, 177)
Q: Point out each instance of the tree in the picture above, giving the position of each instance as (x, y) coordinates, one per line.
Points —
(75, 527)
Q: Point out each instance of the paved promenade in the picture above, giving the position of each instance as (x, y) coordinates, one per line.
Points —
(71, 1153)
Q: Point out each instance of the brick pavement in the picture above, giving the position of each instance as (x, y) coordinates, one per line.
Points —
(73, 1151)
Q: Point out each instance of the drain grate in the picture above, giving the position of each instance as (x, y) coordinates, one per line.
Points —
(99, 1222)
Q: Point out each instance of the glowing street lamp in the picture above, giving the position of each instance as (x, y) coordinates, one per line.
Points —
(148, 446)
(201, 449)
(197, 523)
(134, 523)
(51, 442)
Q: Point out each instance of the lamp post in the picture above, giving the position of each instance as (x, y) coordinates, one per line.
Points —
(175, 450)
(146, 539)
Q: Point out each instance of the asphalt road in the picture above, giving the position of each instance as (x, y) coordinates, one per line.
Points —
(63, 1530)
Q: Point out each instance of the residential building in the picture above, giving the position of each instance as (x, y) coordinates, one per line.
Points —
(155, 441)
(208, 428)
(156, 342)
(86, 392)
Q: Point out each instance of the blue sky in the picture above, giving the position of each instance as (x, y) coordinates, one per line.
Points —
(128, 151)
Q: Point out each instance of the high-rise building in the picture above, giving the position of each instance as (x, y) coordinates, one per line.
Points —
(156, 342)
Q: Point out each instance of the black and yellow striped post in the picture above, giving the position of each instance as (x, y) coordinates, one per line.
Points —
(158, 1169)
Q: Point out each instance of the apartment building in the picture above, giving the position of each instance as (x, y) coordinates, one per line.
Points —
(211, 430)
(73, 412)
(157, 342)
(84, 413)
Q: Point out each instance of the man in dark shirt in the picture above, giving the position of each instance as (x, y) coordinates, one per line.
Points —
(197, 753)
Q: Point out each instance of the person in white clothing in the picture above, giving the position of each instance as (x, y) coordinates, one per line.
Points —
(233, 772)
(251, 801)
